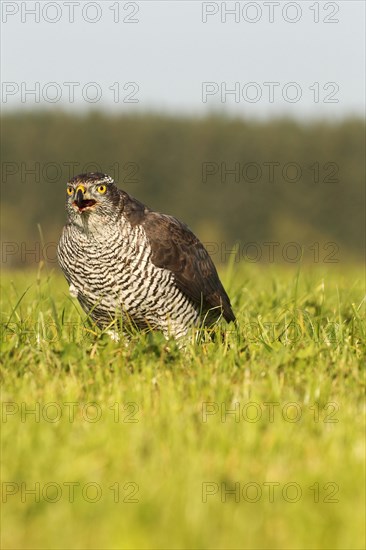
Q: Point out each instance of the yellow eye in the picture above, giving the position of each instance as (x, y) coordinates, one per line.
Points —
(70, 190)
(102, 189)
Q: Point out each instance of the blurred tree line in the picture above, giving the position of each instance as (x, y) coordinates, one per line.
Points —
(232, 181)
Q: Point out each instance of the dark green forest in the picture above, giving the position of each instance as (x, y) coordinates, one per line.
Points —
(270, 188)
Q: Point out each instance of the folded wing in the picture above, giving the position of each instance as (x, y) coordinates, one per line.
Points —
(176, 248)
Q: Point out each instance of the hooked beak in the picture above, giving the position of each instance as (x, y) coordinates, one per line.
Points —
(81, 200)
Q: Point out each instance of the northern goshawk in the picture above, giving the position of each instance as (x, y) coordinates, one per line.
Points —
(126, 262)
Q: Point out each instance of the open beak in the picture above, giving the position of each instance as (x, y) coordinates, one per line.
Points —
(81, 199)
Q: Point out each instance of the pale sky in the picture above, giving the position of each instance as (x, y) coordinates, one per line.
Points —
(303, 59)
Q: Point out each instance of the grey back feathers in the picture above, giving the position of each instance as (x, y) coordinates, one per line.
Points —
(125, 261)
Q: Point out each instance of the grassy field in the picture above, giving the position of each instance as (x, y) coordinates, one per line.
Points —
(255, 440)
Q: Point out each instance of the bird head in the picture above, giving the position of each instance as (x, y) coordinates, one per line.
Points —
(92, 195)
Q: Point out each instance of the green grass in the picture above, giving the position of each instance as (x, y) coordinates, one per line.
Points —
(298, 354)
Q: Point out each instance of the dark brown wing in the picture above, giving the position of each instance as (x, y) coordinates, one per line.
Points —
(176, 248)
